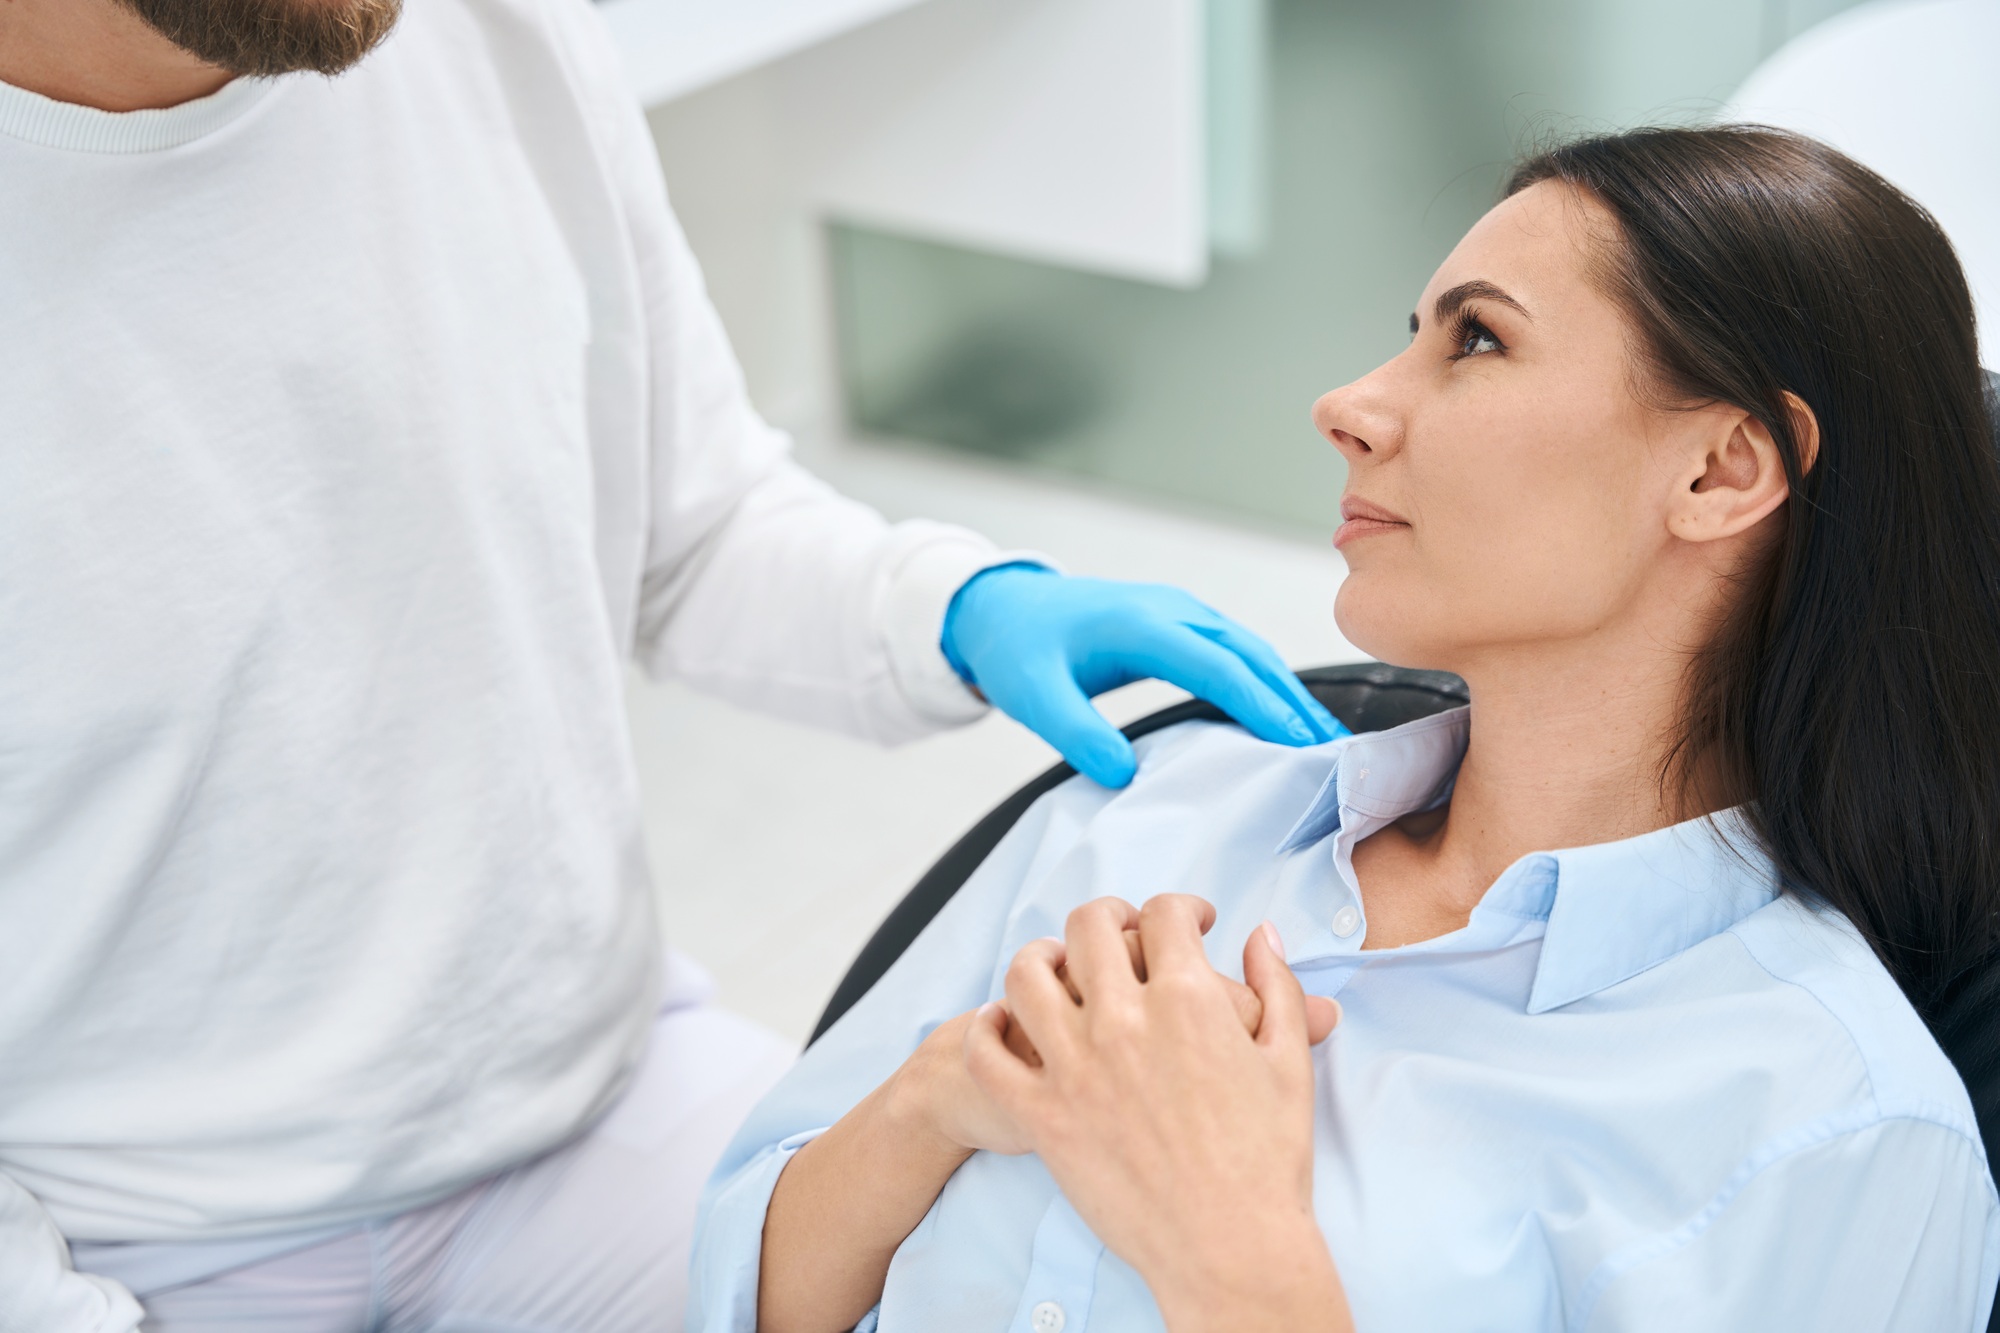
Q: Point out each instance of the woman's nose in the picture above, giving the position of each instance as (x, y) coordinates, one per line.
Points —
(1358, 421)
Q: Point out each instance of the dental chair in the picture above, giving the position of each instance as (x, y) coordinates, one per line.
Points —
(1372, 696)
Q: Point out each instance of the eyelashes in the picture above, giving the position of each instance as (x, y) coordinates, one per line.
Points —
(1470, 337)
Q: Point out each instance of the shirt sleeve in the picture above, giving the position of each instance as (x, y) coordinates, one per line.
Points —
(39, 1291)
(760, 583)
(1888, 1227)
(953, 966)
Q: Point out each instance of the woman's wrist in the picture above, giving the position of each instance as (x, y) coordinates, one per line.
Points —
(844, 1203)
(916, 1109)
(1264, 1280)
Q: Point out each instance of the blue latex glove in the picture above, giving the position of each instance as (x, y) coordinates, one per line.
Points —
(1039, 644)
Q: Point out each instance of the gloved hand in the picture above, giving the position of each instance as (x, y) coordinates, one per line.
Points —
(1039, 644)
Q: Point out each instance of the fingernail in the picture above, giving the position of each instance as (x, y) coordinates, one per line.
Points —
(1271, 939)
(987, 1010)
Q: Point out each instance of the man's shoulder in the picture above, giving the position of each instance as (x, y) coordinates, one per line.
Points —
(537, 49)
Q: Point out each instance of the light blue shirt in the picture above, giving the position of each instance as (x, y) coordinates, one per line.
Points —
(1638, 1090)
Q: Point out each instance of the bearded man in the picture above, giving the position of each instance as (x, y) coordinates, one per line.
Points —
(358, 430)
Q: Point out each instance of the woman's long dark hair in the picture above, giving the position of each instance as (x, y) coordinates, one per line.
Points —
(1852, 699)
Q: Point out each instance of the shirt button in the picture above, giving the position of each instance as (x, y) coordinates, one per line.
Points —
(1346, 921)
(1048, 1317)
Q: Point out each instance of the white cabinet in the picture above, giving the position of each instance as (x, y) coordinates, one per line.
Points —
(1071, 131)
(674, 47)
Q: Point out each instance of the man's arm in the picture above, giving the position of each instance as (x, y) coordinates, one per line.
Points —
(39, 1291)
(757, 582)
(763, 585)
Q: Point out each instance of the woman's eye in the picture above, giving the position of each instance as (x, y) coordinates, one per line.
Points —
(1476, 341)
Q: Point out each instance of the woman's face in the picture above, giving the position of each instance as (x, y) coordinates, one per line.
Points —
(1505, 484)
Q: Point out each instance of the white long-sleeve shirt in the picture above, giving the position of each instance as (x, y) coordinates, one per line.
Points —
(353, 433)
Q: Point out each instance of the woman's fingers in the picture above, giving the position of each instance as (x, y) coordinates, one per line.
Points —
(1016, 1038)
(1047, 994)
(1100, 963)
(1038, 1000)
(1322, 1017)
(1284, 999)
(1249, 1009)
(1170, 929)
(996, 1070)
(1135, 951)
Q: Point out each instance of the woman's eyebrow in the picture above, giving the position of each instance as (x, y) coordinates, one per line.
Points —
(1449, 303)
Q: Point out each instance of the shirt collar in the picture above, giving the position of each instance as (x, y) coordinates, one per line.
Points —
(1612, 910)
(1380, 776)
(65, 125)
(1623, 907)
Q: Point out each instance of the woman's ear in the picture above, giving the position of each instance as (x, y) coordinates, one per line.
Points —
(1735, 475)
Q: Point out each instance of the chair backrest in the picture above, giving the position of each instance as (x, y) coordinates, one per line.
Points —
(1367, 696)
(1910, 90)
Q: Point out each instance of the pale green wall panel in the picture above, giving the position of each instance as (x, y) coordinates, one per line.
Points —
(1387, 129)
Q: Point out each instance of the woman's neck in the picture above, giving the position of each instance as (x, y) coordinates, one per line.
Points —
(1565, 750)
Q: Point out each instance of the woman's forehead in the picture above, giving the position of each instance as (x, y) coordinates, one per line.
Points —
(1538, 246)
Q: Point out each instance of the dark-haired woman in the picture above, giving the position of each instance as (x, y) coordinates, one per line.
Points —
(1685, 471)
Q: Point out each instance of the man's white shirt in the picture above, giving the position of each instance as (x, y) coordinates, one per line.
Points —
(356, 432)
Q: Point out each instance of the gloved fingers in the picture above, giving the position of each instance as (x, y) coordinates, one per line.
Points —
(1055, 709)
(1185, 656)
(1270, 668)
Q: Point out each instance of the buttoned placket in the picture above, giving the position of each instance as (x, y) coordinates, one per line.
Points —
(1349, 921)
(1515, 905)
(1062, 1274)
(1359, 797)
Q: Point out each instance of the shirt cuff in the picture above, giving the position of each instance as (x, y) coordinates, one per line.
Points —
(920, 591)
(729, 1245)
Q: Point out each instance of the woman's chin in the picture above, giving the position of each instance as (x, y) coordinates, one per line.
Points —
(1387, 625)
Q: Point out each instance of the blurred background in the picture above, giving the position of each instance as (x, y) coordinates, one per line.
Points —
(1073, 271)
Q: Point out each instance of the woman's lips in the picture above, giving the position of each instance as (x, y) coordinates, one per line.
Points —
(1364, 519)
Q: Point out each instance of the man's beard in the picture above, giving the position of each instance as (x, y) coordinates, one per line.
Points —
(268, 37)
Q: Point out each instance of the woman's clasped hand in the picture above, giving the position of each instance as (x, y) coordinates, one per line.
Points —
(1173, 1105)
